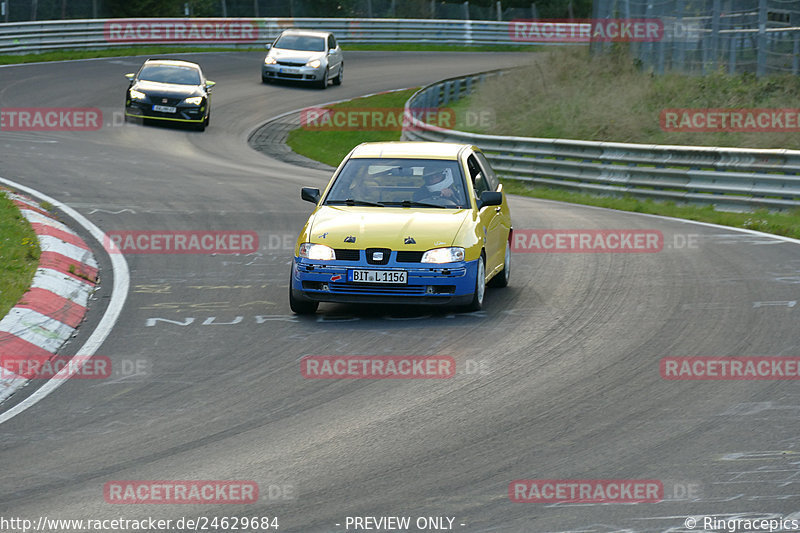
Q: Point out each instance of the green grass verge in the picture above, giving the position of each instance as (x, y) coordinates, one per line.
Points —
(19, 254)
(64, 55)
(330, 147)
(568, 94)
(785, 223)
(423, 47)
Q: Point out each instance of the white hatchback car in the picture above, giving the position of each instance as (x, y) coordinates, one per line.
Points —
(304, 55)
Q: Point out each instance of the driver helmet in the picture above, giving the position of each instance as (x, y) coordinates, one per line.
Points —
(440, 181)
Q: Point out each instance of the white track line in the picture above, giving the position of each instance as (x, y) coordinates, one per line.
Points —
(119, 293)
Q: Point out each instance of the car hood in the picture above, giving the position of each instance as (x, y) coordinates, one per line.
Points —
(167, 89)
(295, 56)
(386, 227)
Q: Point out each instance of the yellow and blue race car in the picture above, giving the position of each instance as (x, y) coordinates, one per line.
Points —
(404, 223)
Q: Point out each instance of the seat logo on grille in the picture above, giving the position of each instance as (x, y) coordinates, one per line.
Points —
(164, 100)
(377, 256)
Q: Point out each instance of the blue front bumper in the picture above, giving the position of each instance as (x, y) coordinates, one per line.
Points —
(434, 284)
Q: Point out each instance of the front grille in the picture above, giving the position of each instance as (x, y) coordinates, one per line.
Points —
(409, 257)
(159, 100)
(291, 64)
(376, 288)
(290, 76)
(343, 254)
(386, 254)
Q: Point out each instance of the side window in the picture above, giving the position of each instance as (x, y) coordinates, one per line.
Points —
(491, 177)
(331, 42)
(478, 179)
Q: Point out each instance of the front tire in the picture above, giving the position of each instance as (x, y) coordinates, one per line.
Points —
(340, 76)
(301, 307)
(480, 286)
(500, 280)
(323, 83)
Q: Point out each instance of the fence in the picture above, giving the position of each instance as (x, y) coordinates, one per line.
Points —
(732, 178)
(33, 10)
(26, 37)
(759, 36)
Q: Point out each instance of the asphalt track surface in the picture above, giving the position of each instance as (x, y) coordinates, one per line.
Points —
(569, 388)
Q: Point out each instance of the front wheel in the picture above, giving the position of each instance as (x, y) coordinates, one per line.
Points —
(301, 307)
(480, 286)
(500, 280)
(323, 83)
(340, 76)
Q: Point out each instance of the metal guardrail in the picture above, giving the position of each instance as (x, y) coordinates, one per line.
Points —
(28, 37)
(733, 178)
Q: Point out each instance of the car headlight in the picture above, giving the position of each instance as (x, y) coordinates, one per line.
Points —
(317, 252)
(314, 63)
(269, 60)
(443, 255)
(137, 95)
(194, 100)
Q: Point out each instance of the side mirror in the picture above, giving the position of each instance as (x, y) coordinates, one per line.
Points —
(268, 46)
(310, 194)
(490, 198)
(210, 84)
(130, 75)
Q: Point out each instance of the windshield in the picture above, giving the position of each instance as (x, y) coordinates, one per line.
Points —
(301, 42)
(170, 74)
(427, 183)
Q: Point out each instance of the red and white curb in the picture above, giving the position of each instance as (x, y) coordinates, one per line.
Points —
(51, 310)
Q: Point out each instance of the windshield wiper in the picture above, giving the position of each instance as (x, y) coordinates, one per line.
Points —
(350, 201)
(414, 203)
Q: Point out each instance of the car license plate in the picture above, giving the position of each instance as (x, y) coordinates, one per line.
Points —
(285, 70)
(164, 109)
(378, 276)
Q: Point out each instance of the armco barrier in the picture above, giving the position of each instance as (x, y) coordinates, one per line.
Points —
(734, 178)
(27, 37)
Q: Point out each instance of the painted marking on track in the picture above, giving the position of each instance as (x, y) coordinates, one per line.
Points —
(776, 303)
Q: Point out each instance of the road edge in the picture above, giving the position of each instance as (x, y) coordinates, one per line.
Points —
(119, 294)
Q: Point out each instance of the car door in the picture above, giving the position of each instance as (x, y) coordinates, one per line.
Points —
(334, 56)
(488, 217)
(501, 223)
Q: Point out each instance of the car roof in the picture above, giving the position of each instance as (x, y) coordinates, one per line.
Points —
(172, 63)
(310, 33)
(409, 149)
